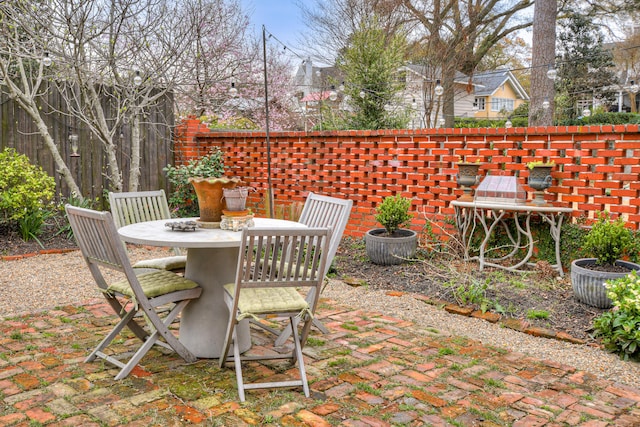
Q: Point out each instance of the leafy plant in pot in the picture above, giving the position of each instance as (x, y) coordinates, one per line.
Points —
(607, 243)
(392, 244)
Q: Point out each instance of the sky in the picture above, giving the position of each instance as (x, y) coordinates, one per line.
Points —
(282, 18)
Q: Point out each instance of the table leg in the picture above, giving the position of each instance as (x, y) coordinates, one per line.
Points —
(203, 322)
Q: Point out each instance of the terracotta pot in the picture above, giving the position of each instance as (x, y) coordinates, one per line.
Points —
(210, 192)
(236, 198)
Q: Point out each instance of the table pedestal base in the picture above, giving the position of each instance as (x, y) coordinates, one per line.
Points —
(212, 269)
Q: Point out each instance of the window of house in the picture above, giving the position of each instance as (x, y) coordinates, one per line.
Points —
(480, 103)
(500, 104)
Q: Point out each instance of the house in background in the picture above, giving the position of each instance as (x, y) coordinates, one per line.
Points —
(489, 95)
(497, 93)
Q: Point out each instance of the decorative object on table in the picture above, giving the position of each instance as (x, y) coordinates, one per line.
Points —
(467, 177)
(235, 198)
(540, 179)
(607, 242)
(210, 198)
(392, 244)
(182, 225)
(233, 222)
(500, 189)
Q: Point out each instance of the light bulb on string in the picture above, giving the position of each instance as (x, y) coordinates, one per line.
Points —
(362, 94)
(441, 122)
(341, 87)
(46, 60)
(438, 90)
(414, 104)
(634, 87)
(552, 73)
(137, 79)
(586, 112)
(333, 95)
(545, 104)
(233, 92)
(508, 124)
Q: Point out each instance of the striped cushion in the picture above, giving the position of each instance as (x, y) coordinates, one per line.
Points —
(154, 284)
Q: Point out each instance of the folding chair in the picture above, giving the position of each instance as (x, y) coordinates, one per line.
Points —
(321, 211)
(271, 265)
(133, 207)
(101, 247)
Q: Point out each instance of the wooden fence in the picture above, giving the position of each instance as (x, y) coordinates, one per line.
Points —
(18, 131)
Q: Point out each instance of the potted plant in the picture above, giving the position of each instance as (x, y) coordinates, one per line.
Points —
(198, 188)
(392, 244)
(540, 178)
(607, 242)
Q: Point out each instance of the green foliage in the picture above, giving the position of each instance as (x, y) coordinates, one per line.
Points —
(470, 122)
(182, 200)
(584, 65)
(537, 314)
(571, 242)
(605, 118)
(620, 327)
(608, 241)
(32, 224)
(24, 188)
(63, 226)
(393, 213)
(370, 63)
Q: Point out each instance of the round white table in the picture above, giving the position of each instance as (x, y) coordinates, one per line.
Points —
(212, 259)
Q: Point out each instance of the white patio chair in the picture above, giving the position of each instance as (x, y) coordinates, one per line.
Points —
(101, 247)
(272, 264)
(133, 207)
(321, 211)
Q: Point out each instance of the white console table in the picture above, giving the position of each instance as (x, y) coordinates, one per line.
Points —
(471, 214)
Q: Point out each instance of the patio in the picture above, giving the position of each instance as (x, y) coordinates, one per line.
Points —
(372, 370)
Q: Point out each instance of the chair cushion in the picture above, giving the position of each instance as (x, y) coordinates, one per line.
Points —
(154, 284)
(268, 300)
(168, 263)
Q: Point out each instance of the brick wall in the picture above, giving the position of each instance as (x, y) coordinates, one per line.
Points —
(597, 167)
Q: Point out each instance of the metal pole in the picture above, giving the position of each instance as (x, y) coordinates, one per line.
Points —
(266, 112)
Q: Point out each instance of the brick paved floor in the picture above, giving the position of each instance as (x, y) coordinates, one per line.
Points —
(371, 370)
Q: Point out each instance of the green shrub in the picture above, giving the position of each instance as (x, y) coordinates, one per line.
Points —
(393, 213)
(620, 327)
(608, 241)
(24, 188)
(182, 200)
(32, 224)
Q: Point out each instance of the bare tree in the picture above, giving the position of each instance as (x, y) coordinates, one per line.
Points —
(113, 61)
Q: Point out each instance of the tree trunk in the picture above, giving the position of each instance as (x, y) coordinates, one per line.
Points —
(543, 56)
(134, 169)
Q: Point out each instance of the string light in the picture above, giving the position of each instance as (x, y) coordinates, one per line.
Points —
(137, 79)
(46, 60)
(552, 73)
(508, 124)
(233, 92)
(439, 90)
(545, 104)
(586, 112)
(333, 95)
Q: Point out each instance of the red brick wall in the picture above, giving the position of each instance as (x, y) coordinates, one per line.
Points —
(597, 167)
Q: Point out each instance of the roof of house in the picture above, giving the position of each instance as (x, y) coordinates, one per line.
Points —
(488, 82)
(316, 96)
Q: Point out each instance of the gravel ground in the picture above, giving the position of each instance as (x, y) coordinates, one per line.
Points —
(47, 281)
